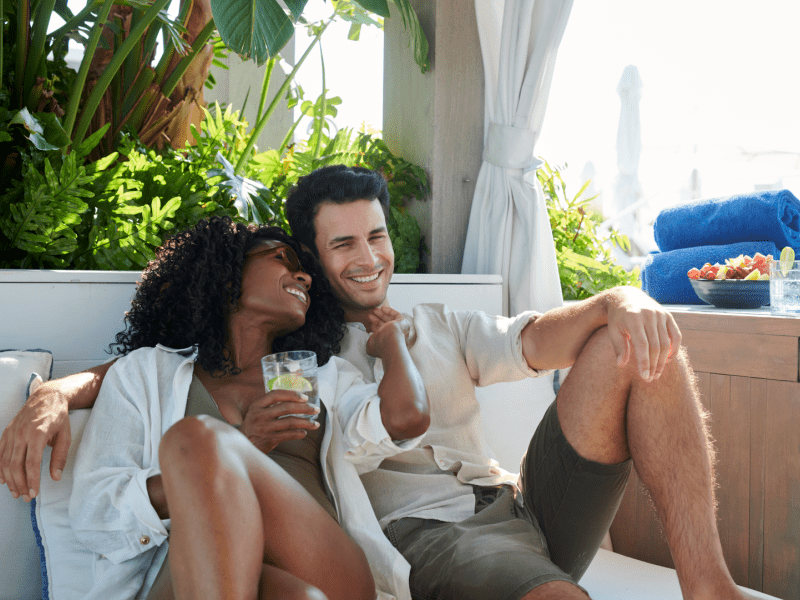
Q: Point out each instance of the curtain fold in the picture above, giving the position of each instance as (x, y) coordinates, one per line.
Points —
(509, 229)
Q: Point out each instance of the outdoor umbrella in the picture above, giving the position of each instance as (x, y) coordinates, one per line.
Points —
(509, 229)
(627, 188)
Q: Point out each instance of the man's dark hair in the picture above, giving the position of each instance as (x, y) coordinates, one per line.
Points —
(187, 293)
(337, 184)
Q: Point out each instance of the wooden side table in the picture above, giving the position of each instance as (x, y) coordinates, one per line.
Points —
(747, 364)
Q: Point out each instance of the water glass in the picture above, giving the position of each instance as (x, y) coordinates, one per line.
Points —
(784, 287)
(295, 370)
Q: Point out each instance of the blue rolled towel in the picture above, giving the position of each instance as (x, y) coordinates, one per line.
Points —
(664, 273)
(768, 216)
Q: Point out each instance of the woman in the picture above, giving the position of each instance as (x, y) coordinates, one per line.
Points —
(250, 498)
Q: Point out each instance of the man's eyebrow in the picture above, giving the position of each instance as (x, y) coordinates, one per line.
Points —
(346, 238)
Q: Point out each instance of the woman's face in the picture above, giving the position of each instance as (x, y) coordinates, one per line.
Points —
(275, 286)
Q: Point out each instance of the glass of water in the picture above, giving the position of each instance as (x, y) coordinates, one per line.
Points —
(295, 370)
(784, 287)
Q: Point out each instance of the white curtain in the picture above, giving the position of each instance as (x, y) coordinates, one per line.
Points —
(509, 230)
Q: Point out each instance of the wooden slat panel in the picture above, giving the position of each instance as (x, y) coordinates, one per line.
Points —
(782, 492)
(730, 428)
(736, 322)
(758, 405)
(748, 355)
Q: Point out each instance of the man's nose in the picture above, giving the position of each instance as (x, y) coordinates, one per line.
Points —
(366, 255)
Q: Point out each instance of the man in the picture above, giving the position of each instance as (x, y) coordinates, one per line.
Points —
(467, 532)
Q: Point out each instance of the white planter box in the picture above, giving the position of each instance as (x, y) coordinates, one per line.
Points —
(76, 314)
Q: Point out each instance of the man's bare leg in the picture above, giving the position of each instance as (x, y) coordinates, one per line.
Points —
(609, 414)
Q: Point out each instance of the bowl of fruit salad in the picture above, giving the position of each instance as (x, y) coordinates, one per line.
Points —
(742, 282)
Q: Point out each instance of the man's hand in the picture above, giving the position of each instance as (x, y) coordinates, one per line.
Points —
(386, 327)
(639, 327)
(42, 420)
(263, 425)
(404, 401)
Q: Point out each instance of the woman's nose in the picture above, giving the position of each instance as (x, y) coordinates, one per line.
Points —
(304, 278)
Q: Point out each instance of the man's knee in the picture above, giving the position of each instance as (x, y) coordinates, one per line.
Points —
(556, 590)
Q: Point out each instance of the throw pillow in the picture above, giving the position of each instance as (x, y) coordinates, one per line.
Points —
(19, 567)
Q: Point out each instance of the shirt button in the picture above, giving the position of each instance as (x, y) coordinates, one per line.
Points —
(144, 540)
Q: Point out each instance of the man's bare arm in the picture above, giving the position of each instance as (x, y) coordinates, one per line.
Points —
(639, 328)
(42, 420)
(404, 401)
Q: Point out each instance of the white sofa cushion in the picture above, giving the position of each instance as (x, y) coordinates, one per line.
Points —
(613, 576)
(20, 578)
(66, 565)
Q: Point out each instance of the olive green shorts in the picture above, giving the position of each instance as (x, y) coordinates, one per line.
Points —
(505, 550)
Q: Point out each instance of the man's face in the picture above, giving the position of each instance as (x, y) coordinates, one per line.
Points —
(355, 252)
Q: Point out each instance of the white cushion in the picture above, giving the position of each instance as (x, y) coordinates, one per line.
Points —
(66, 564)
(613, 576)
(20, 576)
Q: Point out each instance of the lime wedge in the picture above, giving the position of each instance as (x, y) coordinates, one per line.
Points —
(787, 259)
(754, 274)
(291, 382)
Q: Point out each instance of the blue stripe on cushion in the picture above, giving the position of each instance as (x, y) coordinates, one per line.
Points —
(40, 545)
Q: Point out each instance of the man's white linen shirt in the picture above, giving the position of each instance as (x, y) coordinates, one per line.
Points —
(454, 351)
(142, 395)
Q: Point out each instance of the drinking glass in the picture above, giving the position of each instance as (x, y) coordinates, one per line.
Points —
(784, 287)
(295, 370)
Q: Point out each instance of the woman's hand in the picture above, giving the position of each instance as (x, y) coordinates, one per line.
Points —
(263, 425)
(388, 327)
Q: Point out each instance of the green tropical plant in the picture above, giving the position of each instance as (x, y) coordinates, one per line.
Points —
(66, 211)
(276, 175)
(93, 193)
(118, 82)
(259, 30)
(585, 264)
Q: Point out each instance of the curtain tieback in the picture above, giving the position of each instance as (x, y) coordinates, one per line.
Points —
(510, 147)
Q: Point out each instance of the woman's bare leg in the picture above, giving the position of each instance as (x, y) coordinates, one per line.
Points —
(233, 510)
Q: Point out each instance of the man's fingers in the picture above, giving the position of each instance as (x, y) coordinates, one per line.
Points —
(664, 348)
(621, 343)
(33, 463)
(58, 458)
(3, 445)
(17, 468)
(640, 348)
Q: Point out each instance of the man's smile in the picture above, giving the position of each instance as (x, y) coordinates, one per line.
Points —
(366, 278)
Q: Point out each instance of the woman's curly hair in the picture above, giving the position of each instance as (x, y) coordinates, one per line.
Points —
(187, 293)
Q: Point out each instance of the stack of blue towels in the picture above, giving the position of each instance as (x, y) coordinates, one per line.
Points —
(713, 230)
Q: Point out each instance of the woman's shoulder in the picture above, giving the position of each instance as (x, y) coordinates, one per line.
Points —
(153, 357)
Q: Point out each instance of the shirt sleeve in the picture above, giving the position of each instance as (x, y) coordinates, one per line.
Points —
(492, 345)
(358, 411)
(110, 508)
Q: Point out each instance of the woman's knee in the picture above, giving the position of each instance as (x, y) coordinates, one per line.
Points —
(278, 583)
(189, 440)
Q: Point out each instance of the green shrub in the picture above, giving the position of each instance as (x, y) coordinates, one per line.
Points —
(585, 264)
